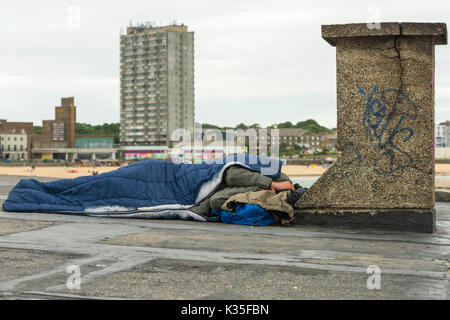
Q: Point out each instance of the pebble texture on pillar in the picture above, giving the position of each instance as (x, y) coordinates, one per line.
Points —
(385, 120)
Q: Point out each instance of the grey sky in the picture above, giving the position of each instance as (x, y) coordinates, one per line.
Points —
(258, 61)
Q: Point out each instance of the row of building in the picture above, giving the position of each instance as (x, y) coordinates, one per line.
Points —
(156, 98)
(57, 141)
(309, 141)
(209, 148)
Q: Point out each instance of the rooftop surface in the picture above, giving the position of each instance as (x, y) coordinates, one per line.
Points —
(150, 259)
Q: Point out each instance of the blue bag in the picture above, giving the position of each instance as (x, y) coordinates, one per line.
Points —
(246, 214)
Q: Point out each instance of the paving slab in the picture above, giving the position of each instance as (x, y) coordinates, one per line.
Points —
(181, 279)
(8, 226)
(17, 263)
(356, 252)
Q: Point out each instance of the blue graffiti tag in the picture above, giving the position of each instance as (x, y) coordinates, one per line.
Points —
(378, 121)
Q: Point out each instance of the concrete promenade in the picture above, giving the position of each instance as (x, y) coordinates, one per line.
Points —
(148, 259)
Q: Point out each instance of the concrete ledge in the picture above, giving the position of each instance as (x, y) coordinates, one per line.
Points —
(437, 30)
(333, 32)
(405, 220)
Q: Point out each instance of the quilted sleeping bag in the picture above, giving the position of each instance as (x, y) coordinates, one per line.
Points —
(152, 188)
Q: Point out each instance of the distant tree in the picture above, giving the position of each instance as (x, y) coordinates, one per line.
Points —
(210, 126)
(311, 125)
(285, 125)
(241, 126)
(37, 129)
(284, 149)
(298, 149)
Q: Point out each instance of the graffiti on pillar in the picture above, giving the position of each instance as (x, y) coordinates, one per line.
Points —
(351, 157)
(385, 125)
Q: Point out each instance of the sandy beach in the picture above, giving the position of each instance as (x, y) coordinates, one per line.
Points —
(54, 172)
(73, 172)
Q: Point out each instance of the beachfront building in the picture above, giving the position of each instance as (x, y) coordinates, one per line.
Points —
(14, 146)
(310, 141)
(442, 135)
(328, 140)
(157, 84)
(59, 141)
(15, 140)
(95, 147)
(146, 153)
(187, 154)
(292, 137)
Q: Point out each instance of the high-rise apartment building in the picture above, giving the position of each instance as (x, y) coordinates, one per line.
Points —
(157, 84)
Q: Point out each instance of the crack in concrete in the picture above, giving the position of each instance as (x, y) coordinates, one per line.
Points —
(399, 57)
(129, 253)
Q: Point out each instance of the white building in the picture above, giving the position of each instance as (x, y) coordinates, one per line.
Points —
(442, 135)
(14, 146)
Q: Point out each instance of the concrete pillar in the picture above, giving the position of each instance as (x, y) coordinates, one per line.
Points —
(384, 175)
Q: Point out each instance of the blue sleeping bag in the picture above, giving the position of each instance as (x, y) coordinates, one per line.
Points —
(152, 188)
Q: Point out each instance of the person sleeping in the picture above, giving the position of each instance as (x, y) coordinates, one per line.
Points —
(164, 190)
(240, 180)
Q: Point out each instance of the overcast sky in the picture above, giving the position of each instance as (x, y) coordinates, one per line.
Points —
(260, 61)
